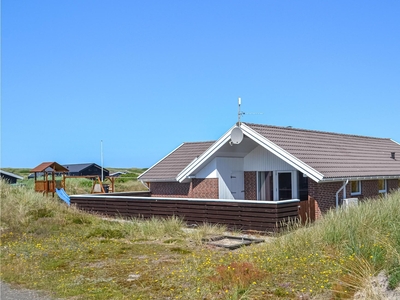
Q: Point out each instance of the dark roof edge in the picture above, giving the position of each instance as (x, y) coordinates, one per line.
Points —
(11, 174)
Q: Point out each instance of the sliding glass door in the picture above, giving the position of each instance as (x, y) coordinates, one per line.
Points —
(285, 185)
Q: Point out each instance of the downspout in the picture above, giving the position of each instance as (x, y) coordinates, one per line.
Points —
(337, 193)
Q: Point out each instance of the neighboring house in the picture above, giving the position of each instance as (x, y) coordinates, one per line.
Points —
(278, 163)
(85, 170)
(9, 177)
(117, 174)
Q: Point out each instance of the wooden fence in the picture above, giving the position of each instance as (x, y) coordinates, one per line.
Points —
(235, 214)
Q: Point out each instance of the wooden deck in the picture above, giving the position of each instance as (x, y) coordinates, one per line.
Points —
(266, 216)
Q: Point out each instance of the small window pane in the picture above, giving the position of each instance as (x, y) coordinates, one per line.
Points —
(355, 187)
(382, 185)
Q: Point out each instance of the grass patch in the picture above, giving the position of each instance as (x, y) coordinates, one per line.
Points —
(48, 245)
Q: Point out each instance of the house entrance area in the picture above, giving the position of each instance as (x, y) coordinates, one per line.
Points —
(281, 185)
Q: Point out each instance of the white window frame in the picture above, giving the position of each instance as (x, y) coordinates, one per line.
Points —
(359, 188)
(385, 185)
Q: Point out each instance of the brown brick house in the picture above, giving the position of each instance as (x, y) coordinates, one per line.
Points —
(278, 163)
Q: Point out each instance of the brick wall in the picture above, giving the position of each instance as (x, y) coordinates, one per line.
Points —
(198, 188)
(393, 184)
(204, 188)
(324, 195)
(250, 185)
(369, 188)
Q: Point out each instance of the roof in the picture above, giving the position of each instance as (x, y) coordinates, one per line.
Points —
(80, 167)
(53, 165)
(335, 155)
(323, 156)
(11, 174)
(171, 165)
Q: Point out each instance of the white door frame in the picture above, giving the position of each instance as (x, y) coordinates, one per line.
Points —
(276, 184)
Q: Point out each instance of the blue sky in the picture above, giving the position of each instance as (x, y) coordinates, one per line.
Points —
(145, 76)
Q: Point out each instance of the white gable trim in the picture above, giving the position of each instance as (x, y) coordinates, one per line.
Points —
(395, 142)
(259, 139)
(160, 161)
(282, 154)
(195, 164)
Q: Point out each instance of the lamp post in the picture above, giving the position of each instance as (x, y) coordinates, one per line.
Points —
(101, 158)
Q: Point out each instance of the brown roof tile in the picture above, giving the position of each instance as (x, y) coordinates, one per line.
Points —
(170, 166)
(336, 155)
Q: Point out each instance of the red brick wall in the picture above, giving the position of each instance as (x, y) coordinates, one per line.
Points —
(324, 195)
(204, 188)
(393, 184)
(198, 188)
(250, 185)
(369, 188)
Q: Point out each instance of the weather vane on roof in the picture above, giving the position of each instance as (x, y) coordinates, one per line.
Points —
(241, 113)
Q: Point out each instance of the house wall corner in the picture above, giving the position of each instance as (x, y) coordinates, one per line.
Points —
(204, 188)
(250, 185)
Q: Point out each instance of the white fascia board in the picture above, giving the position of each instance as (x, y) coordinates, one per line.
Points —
(395, 142)
(160, 160)
(282, 154)
(195, 164)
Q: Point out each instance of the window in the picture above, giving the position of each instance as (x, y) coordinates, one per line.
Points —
(382, 185)
(356, 187)
(303, 186)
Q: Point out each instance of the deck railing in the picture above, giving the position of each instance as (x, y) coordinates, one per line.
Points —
(235, 214)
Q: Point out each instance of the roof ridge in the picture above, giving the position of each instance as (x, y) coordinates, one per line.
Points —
(317, 131)
(199, 142)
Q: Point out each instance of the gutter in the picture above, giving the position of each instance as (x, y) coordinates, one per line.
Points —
(337, 193)
(336, 179)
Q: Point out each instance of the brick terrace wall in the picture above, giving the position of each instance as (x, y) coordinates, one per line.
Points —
(250, 185)
(204, 188)
(170, 189)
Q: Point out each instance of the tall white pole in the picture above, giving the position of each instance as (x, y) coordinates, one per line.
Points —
(101, 158)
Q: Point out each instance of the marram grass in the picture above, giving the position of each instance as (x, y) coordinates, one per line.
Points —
(71, 254)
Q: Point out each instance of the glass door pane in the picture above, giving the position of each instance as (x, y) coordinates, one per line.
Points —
(285, 186)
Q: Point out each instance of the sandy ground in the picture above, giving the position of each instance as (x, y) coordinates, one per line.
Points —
(9, 292)
(378, 290)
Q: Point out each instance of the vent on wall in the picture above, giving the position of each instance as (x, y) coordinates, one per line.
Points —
(393, 155)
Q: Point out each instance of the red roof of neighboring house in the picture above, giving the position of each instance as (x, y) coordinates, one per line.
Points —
(53, 165)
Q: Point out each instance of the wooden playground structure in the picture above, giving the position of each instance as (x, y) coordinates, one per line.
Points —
(46, 182)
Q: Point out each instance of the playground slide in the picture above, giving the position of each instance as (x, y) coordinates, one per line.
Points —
(63, 196)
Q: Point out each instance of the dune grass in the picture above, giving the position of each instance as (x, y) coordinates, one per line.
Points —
(47, 245)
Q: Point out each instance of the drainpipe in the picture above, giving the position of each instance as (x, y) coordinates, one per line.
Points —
(337, 193)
